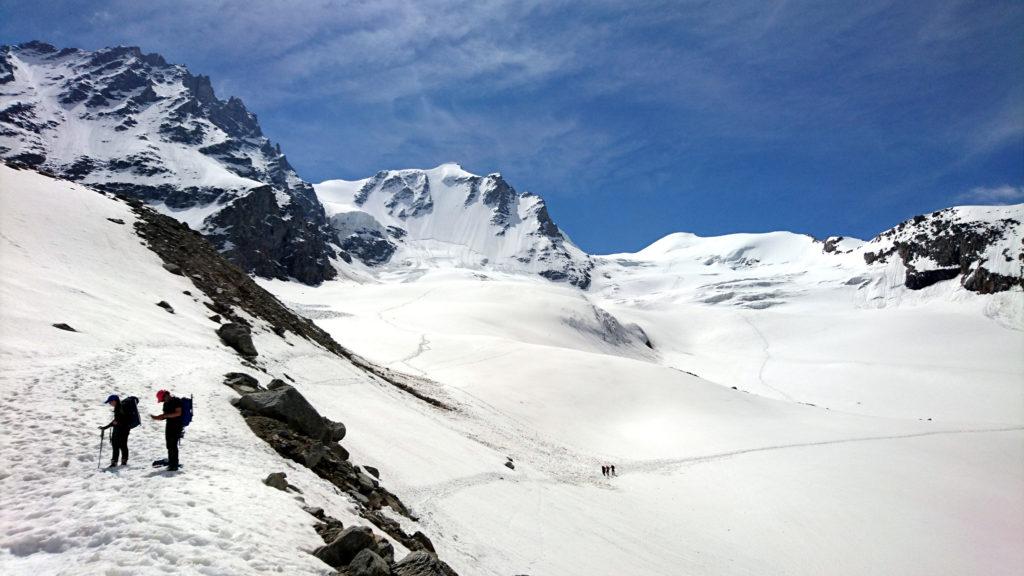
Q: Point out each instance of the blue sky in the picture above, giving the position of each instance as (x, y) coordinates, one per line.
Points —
(633, 119)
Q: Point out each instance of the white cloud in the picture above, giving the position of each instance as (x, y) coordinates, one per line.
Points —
(1005, 194)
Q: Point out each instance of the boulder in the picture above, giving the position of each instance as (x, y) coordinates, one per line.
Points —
(277, 480)
(242, 382)
(385, 550)
(372, 471)
(163, 304)
(344, 548)
(276, 383)
(317, 512)
(173, 268)
(366, 484)
(238, 337)
(63, 326)
(423, 540)
(287, 405)
(335, 430)
(313, 455)
(329, 529)
(368, 563)
(419, 563)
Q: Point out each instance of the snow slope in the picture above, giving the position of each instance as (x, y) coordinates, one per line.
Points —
(63, 260)
(712, 480)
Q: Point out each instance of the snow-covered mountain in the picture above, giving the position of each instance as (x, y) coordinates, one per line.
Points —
(126, 122)
(983, 246)
(448, 217)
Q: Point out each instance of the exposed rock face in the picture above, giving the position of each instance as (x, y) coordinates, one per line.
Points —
(159, 133)
(983, 245)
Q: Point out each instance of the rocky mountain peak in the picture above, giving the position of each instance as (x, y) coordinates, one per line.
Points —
(127, 122)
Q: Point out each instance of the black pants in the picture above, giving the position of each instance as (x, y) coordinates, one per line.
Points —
(119, 440)
(172, 434)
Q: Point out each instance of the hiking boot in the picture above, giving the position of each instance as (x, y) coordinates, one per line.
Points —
(172, 468)
(113, 464)
(124, 462)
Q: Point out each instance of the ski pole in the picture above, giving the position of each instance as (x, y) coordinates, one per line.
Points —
(99, 462)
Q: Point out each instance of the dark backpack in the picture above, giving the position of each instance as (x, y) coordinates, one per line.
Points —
(130, 406)
(186, 411)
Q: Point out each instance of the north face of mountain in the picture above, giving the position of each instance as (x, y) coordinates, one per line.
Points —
(126, 122)
(446, 216)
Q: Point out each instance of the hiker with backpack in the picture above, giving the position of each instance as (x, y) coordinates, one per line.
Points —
(126, 417)
(173, 413)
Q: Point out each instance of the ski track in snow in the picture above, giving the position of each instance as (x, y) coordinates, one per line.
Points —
(669, 464)
(764, 362)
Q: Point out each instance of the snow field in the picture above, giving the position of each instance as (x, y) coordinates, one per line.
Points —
(711, 480)
(63, 261)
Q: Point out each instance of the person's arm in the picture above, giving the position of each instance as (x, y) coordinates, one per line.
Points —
(112, 422)
(174, 414)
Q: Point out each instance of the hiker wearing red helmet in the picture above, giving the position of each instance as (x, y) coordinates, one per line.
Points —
(172, 414)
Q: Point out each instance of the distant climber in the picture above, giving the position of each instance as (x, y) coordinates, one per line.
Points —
(604, 470)
(613, 469)
(126, 417)
(173, 415)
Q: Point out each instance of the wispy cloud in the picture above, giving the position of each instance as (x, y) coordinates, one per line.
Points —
(1005, 194)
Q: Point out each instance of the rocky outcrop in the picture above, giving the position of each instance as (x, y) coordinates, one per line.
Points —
(284, 419)
(981, 245)
(259, 213)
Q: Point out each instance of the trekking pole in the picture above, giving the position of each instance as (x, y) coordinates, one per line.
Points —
(99, 462)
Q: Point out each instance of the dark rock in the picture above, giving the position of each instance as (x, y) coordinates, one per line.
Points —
(116, 221)
(317, 512)
(510, 465)
(313, 455)
(163, 304)
(238, 337)
(277, 480)
(372, 471)
(287, 405)
(215, 318)
(275, 384)
(336, 430)
(917, 280)
(366, 484)
(329, 529)
(242, 382)
(385, 550)
(368, 563)
(344, 548)
(421, 563)
(63, 326)
(423, 540)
